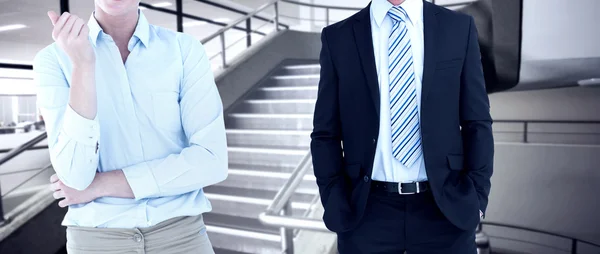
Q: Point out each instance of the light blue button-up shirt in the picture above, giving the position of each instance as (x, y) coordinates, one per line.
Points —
(159, 119)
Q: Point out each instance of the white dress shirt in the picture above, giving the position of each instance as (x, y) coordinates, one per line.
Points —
(386, 167)
(159, 119)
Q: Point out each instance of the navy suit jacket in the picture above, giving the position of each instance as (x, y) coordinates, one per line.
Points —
(456, 125)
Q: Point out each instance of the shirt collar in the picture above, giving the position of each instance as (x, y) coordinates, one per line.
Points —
(142, 30)
(380, 9)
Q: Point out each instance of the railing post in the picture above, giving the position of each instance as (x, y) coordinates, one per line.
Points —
(64, 6)
(2, 221)
(326, 16)
(249, 32)
(482, 241)
(525, 131)
(179, 10)
(574, 246)
(223, 48)
(287, 234)
(276, 5)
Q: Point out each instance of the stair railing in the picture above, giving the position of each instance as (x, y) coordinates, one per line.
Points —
(29, 145)
(275, 4)
(279, 211)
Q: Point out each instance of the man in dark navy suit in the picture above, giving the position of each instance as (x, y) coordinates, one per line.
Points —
(402, 143)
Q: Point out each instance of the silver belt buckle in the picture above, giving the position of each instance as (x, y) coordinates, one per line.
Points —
(418, 190)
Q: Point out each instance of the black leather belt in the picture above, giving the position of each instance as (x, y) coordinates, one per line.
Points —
(405, 188)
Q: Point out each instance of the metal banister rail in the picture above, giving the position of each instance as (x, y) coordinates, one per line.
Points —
(242, 19)
(273, 214)
(14, 153)
(276, 21)
(322, 6)
(278, 213)
(24, 147)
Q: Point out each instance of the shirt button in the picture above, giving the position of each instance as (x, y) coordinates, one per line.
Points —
(366, 178)
(137, 238)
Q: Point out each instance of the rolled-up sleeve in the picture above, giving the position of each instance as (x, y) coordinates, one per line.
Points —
(204, 161)
(72, 139)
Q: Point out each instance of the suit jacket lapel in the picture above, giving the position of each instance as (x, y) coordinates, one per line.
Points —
(364, 42)
(430, 29)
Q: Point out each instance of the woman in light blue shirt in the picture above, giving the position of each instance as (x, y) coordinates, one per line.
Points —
(135, 129)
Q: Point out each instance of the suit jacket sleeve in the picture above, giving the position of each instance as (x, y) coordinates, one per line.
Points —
(475, 120)
(326, 136)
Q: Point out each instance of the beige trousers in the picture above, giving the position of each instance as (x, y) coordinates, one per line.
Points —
(180, 235)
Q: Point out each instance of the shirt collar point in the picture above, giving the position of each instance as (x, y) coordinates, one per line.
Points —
(142, 30)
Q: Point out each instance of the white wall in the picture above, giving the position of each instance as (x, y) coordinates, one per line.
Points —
(566, 37)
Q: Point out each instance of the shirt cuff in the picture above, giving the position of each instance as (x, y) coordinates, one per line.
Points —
(141, 180)
(80, 129)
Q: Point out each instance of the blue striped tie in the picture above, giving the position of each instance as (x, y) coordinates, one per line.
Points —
(406, 135)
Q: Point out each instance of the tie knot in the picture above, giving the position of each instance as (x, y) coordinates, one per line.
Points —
(397, 13)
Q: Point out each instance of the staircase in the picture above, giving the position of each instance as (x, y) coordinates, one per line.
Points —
(267, 135)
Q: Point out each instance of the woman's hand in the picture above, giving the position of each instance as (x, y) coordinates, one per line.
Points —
(71, 34)
(69, 195)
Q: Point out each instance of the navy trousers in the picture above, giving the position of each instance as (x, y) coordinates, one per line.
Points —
(411, 224)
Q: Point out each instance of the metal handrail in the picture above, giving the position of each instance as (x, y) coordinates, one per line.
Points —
(278, 213)
(16, 66)
(240, 20)
(39, 171)
(322, 6)
(27, 146)
(278, 26)
(14, 153)
(225, 7)
(526, 123)
(549, 121)
(573, 239)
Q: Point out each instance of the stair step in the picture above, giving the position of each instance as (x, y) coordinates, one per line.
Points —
(293, 80)
(261, 194)
(243, 241)
(285, 92)
(248, 207)
(11, 180)
(276, 106)
(265, 168)
(268, 138)
(240, 223)
(14, 199)
(226, 251)
(266, 156)
(299, 69)
(269, 121)
(271, 181)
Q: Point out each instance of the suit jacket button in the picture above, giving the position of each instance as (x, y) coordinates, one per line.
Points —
(374, 141)
(366, 179)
